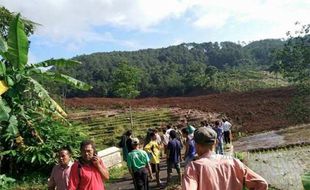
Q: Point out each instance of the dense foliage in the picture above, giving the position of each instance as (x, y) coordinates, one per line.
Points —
(32, 124)
(294, 64)
(294, 58)
(176, 70)
(6, 18)
(125, 81)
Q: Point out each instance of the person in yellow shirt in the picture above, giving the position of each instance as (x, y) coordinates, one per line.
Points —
(153, 150)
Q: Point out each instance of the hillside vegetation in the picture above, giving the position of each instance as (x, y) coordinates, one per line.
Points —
(180, 70)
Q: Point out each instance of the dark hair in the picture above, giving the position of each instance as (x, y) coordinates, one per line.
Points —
(67, 148)
(185, 131)
(169, 126)
(152, 134)
(164, 130)
(217, 122)
(128, 133)
(173, 134)
(88, 142)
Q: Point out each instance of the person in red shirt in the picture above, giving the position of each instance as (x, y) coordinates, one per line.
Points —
(214, 171)
(88, 172)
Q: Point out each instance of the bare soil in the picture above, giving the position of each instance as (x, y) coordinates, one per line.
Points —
(254, 111)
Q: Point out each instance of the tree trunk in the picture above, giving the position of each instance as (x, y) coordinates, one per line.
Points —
(131, 120)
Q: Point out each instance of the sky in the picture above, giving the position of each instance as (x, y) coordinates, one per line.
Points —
(70, 27)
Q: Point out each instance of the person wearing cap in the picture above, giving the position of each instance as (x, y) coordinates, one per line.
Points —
(190, 150)
(214, 171)
(190, 130)
(139, 166)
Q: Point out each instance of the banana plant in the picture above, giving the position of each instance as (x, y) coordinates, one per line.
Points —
(23, 100)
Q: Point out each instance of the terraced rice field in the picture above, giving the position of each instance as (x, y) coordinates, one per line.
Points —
(283, 167)
(107, 130)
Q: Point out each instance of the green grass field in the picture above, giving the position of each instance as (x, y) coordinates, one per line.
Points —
(106, 131)
(245, 80)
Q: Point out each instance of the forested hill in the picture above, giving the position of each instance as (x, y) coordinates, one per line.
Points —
(172, 71)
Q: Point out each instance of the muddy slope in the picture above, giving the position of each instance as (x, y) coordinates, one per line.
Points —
(254, 111)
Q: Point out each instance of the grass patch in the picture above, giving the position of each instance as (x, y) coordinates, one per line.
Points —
(106, 131)
(245, 80)
(117, 173)
(32, 181)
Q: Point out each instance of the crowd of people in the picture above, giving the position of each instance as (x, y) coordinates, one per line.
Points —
(206, 166)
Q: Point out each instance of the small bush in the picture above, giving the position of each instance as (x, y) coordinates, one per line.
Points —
(6, 182)
(306, 180)
(297, 111)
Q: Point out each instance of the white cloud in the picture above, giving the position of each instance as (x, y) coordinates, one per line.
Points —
(64, 20)
(77, 22)
(280, 15)
(211, 20)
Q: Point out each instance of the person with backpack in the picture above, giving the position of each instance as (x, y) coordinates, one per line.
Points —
(88, 172)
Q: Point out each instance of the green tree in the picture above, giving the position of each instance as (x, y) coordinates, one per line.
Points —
(126, 80)
(28, 115)
(294, 64)
(294, 58)
(125, 85)
(6, 18)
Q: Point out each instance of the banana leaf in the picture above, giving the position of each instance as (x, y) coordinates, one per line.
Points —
(4, 111)
(12, 127)
(18, 44)
(2, 69)
(54, 62)
(66, 80)
(44, 96)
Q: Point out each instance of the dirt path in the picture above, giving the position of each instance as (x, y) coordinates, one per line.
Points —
(126, 183)
(292, 135)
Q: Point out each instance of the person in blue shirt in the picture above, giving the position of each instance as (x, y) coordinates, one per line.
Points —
(190, 150)
(173, 155)
(219, 149)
